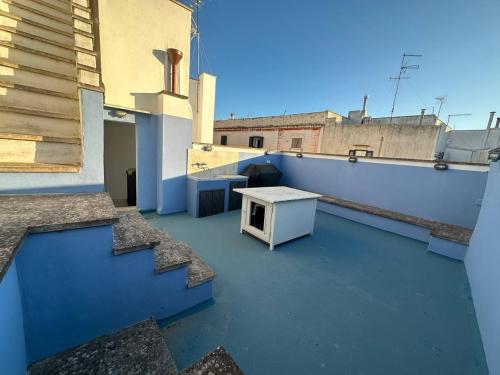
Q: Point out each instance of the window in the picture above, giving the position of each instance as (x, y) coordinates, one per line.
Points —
(256, 142)
(366, 153)
(223, 140)
(296, 142)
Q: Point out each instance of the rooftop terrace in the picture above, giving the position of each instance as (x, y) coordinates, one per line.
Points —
(349, 299)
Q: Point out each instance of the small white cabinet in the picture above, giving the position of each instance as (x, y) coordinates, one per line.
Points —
(277, 214)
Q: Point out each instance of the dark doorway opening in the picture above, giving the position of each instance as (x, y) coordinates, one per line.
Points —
(257, 215)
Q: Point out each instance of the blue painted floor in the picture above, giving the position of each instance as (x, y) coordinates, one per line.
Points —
(350, 299)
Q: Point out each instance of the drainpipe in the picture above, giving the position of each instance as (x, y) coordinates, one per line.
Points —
(490, 120)
(422, 113)
(174, 57)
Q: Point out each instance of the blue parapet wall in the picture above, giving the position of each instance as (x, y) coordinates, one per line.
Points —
(74, 289)
(13, 359)
(413, 188)
(482, 263)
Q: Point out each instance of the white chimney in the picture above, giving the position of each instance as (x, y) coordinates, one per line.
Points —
(490, 120)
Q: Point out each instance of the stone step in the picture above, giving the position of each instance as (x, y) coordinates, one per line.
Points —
(36, 59)
(20, 10)
(44, 9)
(171, 254)
(216, 362)
(26, 76)
(133, 232)
(36, 42)
(138, 349)
(26, 25)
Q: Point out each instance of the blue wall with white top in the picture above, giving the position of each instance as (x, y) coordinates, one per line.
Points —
(417, 189)
(482, 263)
(73, 288)
(12, 345)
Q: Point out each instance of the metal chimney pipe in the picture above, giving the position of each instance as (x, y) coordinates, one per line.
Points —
(174, 57)
(498, 123)
(490, 120)
(422, 114)
(365, 103)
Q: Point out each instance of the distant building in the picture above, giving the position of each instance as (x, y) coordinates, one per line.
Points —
(422, 136)
(330, 132)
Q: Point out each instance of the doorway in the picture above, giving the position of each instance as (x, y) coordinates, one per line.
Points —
(120, 163)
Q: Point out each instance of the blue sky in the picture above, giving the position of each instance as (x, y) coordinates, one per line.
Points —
(302, 56)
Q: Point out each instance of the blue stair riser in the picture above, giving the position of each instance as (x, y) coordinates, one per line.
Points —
(74, 288)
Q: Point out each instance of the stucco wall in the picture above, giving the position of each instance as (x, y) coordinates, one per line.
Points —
(414, 188)
(471, 145)
(174, 140)
(12, 343)
(91, 176)
(274, 139)
(134, 37)
(119, 155)
(202, 101)
(483, 269)
(92, 291)
(396, 141)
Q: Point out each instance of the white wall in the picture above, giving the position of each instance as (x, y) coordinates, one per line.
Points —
(483, 269)
(119, 155)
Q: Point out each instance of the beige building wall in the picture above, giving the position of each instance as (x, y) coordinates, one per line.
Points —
(391, 141)
(134, 37)
(310, 139)
(239, 138)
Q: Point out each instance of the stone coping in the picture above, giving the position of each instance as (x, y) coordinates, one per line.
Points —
(138, 349)
(133, 232)
(445, 231)
(23, 214)
(216, 362)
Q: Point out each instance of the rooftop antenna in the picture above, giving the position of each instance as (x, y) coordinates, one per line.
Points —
(441, 100)
(402, 71)
(195, 31)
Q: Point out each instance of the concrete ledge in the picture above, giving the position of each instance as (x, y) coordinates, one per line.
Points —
(444, 239)
(22, 214)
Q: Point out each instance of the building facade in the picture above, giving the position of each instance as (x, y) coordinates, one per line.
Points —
(329, 132)
(96, 99)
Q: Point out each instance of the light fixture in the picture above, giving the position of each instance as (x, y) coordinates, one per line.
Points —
(353, 159)
(441, 165)
(118, 113)
(494, 155)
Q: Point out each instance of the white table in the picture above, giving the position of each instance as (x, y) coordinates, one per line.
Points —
(277, 214)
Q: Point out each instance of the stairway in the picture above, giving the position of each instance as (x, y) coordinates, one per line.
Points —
(47, 54)
(133, 233)
(138, 349)
(85, 269)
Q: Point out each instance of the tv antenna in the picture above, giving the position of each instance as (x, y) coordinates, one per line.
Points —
(441, 100)
(402, 71)
(195, 31)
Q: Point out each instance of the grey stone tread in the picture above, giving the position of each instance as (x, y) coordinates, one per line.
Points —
(171, 254)
(214, 363)
(22, 214)
(138, 349)
(199, 272)
(133, 232)
(445, 231)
